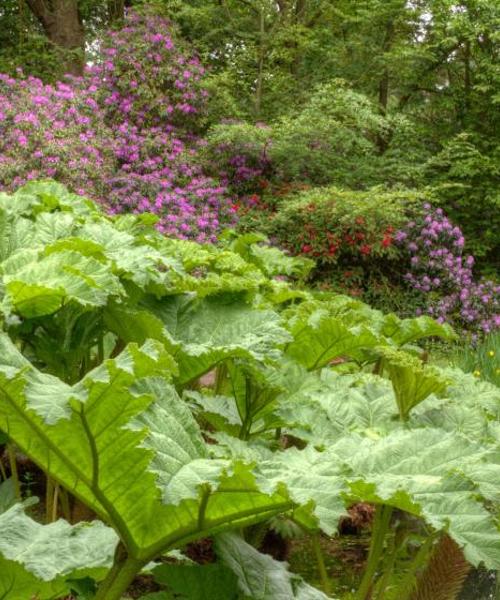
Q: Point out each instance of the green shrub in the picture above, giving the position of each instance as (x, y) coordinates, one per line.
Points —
(467, 185)
(346, 227)
(338, 137)
(336, 129)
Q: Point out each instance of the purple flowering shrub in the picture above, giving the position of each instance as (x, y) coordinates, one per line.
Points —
(52, 131)
(154, 101)
(123, 134)
(238, 154)
(444, 276)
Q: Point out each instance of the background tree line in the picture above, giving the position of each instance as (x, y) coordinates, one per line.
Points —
(398, 92)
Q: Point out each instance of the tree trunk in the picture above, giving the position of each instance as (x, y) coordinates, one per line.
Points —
(62, 24)
(116, 10)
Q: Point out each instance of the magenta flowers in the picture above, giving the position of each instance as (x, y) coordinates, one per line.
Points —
(444, 276)
(122, 134)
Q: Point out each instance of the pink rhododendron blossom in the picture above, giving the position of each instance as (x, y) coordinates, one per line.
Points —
(121, 134)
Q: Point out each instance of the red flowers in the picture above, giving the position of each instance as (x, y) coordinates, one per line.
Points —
(365, 249)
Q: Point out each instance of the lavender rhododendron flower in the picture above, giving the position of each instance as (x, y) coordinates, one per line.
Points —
(445, 277)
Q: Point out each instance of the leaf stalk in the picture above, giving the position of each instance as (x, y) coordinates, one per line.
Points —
(379, 531)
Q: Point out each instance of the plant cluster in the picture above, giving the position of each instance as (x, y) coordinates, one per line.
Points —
(444, 275)
(122, 134)
(331, 140)
(159, 383)
(239, 154)
(483, 360)
(465, 176)
(52, 131)
(341, 227)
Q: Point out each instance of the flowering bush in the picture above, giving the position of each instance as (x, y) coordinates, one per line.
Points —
(441, 273)
(342, 226)
(238, 153)
(123, 134)
(52, 131)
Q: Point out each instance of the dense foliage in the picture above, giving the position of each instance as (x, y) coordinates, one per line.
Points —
(190, 407)
(107, 328)
(123, 134)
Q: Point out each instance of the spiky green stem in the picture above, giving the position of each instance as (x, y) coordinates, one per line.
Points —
(408, 583)
(66, 511)
(220, 378)
(49, 499)
(379, 531)
(320, 561)
(2, 470)
(121, 575)
(11, 451)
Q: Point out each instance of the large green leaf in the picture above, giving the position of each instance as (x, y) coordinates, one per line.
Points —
(7, 494)
(411, 380)
(451, 416)
(241, 572)
(213, 271)
(465, 388)
(15, 232)
(259, 576)
(341, 404)
(255, 390)
(36, 197)
(48, 195)
(140, 262)
(420, 471)
(133, 325)
(210, 332)
(123, 442)
(36, 560)
(272, 261)
(320, 339)
(220, 411)
(427, 472)
(197, 582)
(310, 479)
(408, 331)
(39, 285)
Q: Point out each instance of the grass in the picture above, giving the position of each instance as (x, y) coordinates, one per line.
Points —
(483, 360)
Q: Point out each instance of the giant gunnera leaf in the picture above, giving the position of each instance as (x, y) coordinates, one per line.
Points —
(209, 332)
(319, 339)
(259, 576)
(240, 573)
(427, 472)
(37, 285)
(411, 380)
(123, 442)
(37, 560)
